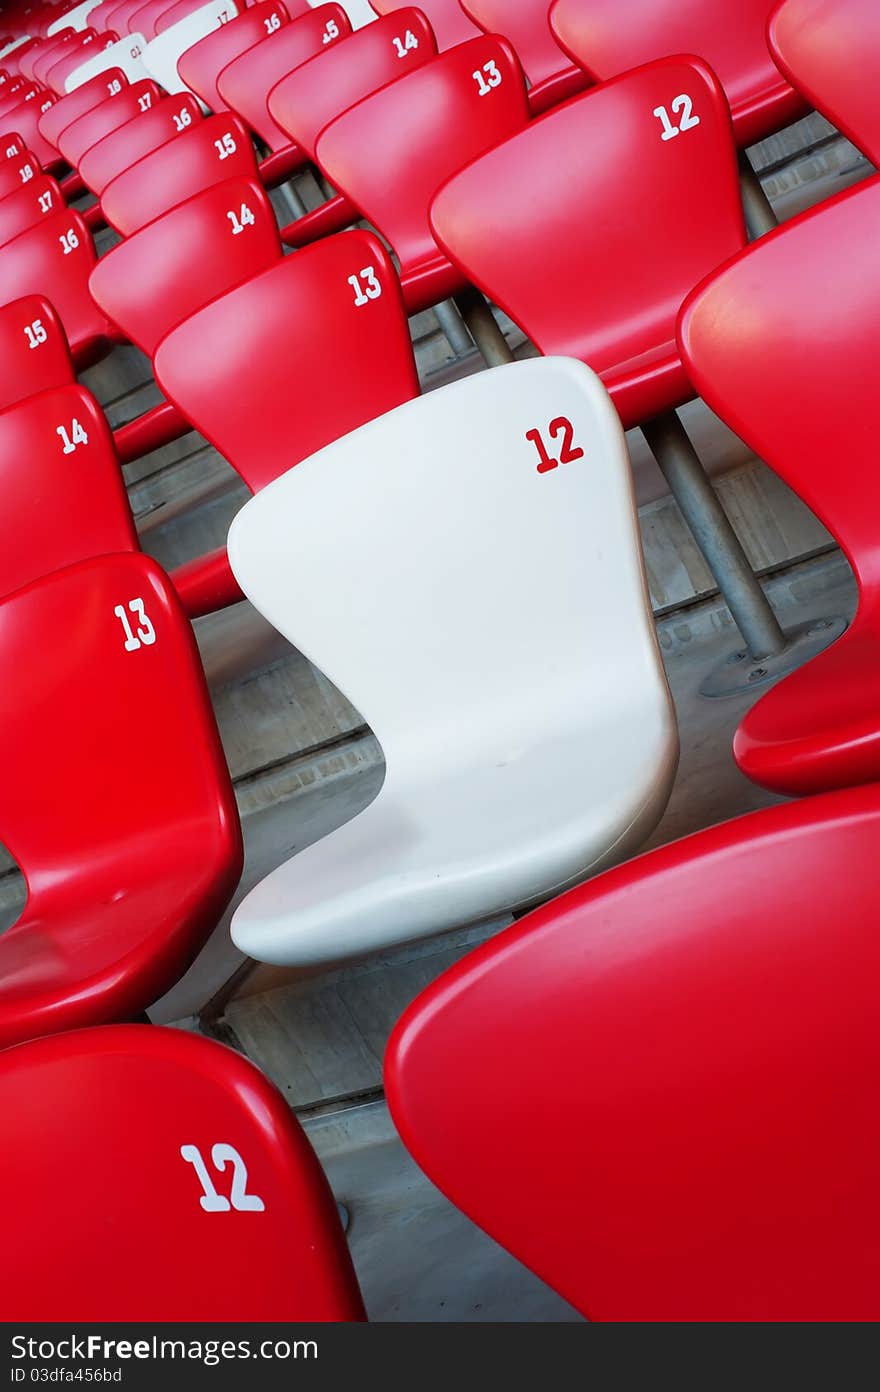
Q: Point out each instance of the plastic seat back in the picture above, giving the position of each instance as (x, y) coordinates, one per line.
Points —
(75, 104)
(12, 145)
(75, 17)
(108, 116)
(28, 206)
(167, 119)
(125, 53)
(632, 281)
(732, 39)
(216, 149)
(172, 1139)
(525, 23)
(311, 348)
(200, 65)
(245, 83)
(33, 350)
(450, 110)
(38, 62)
(55, 258)
(446, 17)
(16, 94)
(319, 90)
(16, 173)
(125, 882)
(828, 50)
(698, 1141)
(64, 497)
(175, 35)
(143, 21)
(180, 262)
(25, 120)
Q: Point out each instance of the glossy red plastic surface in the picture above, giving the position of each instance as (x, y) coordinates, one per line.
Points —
(606, 39)
(25, 121)
(123, 14)
(664, 1080)
(525, 23)
(69, 108)
(174, 13)
(16, 95)
(39, 198)
(167, 120)
(55, 258)
(218, 148)
(16, 173)
(200, 65)
(101, 15)
(123, 894)
(143, 21)
(12, 145)
(24, 369)
(321, 89)
(74, 55)
(796, 378)
(58, 508)
(446, 111)
(108, 116)
(111, 1110)
(446, 17)
(40, 60)
(296, 360)
(829, 50)
(611, 289)
(245, 83)
(172, 267)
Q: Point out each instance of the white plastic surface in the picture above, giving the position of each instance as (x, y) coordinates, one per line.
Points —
(162, 53)
(14, 44)
(491, 622)
(127, 54)
(77, 18)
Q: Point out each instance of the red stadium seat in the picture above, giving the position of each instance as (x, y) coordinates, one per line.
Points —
(68, 109)
(524, 22)
(11, 146)
(446, 17)
(165, 1138)
(123, 15)
(16, 173)
(611, 289)
(124, 883)
(33, 351)
(245, 83)
(321, 89)
(308, 350)
(25, 121)
(828, 50)
(37, 199)
(218, 148)
(450, 110)
(664, 1080)
(174, 13)
(200, 65)
(38, 62)
(107, 116)
(731, 38)
(175, 265)
(168, 118)
(69, 502)
(144, 20)
(55, 258)
(16, 94)
(796, 379)
(75, 55)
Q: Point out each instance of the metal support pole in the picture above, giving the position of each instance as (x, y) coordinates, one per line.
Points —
(291, 200)
(452, 326)
(669, 443)
(483, 329)
(760, 217)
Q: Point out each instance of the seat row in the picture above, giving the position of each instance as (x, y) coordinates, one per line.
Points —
(528, 730)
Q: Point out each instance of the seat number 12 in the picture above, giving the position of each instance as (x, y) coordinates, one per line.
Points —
(568, 451)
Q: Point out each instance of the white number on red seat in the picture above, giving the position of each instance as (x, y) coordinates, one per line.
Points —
(225, 146)
(69, 241)
(47, 104)
(146, 634)
(76, 437)
(45, 200)
(245, 219)
(145, 101)
(408, 41)
(114, 87)
(491, 79)
(35, 333)
(182, 119)
(210, 1200)
(331, 32)
(567, 455)
(682, 104)
(365, 285)
(11, 151)
(272, 23)
(26, 172)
